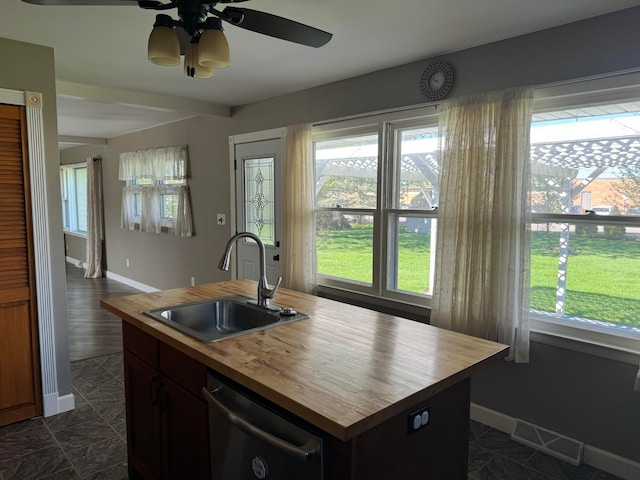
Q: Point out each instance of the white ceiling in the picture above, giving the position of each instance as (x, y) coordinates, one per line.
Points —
(107, 87)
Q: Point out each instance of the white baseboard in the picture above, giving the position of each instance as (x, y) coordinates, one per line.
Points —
(491, 418)
(76, 262)
(595, 457)
(131, 283)
(53, 404)
(66, 403)
(114, 276)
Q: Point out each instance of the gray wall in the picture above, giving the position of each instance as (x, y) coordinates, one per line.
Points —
(30, 67)
(579, 395)
(585, 397)
(164, 261)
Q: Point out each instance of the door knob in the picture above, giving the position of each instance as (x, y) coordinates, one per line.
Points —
(276, 258)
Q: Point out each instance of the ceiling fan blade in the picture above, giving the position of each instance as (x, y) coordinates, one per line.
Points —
(82, 2)
(275, 26)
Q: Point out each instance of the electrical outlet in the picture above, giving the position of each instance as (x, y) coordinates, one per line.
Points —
(193, 281)
(221, 219)
(419, 419)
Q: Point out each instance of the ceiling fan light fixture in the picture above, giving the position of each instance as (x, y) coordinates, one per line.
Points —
(163, 47)
(213, 49)
(191, 66)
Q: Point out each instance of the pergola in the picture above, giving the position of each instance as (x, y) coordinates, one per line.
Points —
(560, 162)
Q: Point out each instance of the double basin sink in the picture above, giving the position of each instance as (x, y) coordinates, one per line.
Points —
(220, 318)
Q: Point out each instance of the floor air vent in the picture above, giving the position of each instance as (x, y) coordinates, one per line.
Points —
(549, 442)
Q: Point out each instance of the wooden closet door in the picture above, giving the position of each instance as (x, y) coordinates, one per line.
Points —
(20, 394)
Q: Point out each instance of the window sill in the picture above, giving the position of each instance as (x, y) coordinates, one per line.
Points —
(595, 340)
(75, 234)
(419, 313)
(585, 338)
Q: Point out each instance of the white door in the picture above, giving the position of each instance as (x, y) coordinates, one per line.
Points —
(258, 173)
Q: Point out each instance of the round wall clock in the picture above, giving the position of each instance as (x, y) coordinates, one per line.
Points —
(437, 80)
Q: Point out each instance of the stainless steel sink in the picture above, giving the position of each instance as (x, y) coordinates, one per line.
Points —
(220, 318)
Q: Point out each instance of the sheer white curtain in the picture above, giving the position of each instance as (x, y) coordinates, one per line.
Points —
(482, 261)
(94, 218)
(153, 176)
(298, 229)
(183, 226)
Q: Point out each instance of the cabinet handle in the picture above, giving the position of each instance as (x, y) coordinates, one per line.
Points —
(304, 453)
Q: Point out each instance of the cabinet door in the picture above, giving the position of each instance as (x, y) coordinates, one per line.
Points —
(185, 430)
(142, 385)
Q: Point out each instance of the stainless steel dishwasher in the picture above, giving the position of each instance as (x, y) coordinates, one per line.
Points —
(251, 439)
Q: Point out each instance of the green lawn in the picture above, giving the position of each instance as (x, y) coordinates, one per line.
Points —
(603, 279)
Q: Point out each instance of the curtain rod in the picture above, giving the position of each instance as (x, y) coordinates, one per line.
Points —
(375, 113)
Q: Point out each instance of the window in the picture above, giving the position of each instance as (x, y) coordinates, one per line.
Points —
(376, 217)
(73, 185)
(376, 193)
(156, 194)
(169, 198)
(585, 228)
(259, 205)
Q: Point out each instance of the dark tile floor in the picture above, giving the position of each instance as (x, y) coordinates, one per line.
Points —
(86, 443)
(90, 441)
(494, 456)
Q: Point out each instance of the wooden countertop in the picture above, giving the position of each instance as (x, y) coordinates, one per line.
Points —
(345, 369)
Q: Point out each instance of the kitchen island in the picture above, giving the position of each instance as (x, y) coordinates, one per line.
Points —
(355, 374)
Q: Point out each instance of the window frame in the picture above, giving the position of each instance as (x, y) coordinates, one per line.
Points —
(592, 339)
(69, 198)
(384, 125)
(593, 91)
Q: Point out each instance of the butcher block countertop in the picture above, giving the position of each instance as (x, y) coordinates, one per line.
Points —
(345, 369)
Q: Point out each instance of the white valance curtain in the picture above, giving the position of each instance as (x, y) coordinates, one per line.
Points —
(298, 229)
(157, 164)
(482, 261)
(151, 176)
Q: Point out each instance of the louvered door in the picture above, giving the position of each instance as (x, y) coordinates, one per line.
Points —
(20, 396)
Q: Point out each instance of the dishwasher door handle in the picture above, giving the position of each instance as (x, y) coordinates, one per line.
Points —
(304, 452)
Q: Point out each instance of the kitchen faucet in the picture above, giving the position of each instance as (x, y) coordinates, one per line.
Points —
(264, 292)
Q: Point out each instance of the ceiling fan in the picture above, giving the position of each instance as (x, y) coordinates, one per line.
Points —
(198, 33)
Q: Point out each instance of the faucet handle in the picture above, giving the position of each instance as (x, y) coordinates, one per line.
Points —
(271, 294)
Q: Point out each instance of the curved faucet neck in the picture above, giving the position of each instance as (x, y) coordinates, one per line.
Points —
(264, 293)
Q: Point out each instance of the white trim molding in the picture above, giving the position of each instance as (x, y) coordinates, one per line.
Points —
(132, 283)
(271, 134)
(114, 276)
(32, 101)
(595, 457)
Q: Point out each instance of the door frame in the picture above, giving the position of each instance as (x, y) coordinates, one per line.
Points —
(52, 402)
(271, 134)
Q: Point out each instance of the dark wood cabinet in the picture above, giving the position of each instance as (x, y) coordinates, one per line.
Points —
(167, 420)
(142, 383)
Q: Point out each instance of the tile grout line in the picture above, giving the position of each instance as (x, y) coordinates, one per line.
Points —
(61, 449)
(102, 418)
